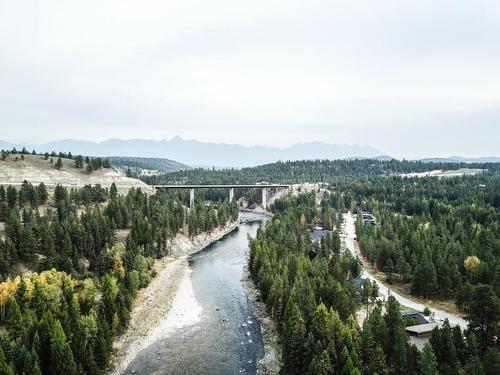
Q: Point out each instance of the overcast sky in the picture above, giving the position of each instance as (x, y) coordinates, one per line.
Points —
(411, 78)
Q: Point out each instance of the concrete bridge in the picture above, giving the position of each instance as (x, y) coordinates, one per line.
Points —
(231, 188)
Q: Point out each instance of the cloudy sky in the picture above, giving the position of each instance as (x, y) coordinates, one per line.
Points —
(412, 78)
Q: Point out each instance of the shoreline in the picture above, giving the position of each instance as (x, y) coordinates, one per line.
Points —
(259, 211)
(271, 363)
(169, 291)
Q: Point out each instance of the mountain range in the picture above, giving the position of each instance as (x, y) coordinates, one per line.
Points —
(219, 155)
(205, 154)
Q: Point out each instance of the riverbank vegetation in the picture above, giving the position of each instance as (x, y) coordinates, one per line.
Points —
(309, 290)
(60, 317)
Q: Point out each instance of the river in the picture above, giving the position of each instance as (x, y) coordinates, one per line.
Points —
(225, 338)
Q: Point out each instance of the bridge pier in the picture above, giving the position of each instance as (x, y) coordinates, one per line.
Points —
(191, 197)
(264, 198)
(231, 188)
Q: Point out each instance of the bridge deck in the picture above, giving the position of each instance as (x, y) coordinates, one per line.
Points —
(233, 186)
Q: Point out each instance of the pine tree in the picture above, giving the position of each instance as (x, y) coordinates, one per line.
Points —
(425, 278)
(59, 164)
(320, 365)
(377, 364)
(294, 331)
(11, 196)
(427, 363)
(61, 357)
(397, 337)
(42, 193)
(25, 361)
(21, 293)
(27, 244)
(372, 355)
(13, 228)
(16, 327)
(444, 349)
(484, 314)
(43, 347)
(5, 368)
(346, 363)
(492, 361)
(113, 191)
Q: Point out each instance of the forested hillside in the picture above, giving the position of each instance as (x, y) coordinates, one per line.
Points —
(136, 165)
(61, 318)
(309, 291)
(311, 171)
(439, 236)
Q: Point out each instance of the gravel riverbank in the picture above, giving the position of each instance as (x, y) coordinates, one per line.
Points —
(167, 302)
(271, 363)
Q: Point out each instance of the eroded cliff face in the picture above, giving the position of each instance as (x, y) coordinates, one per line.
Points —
(183, 244)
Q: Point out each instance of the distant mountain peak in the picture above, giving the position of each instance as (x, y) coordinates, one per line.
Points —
(194, 152)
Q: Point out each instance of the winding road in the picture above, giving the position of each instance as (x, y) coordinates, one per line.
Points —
(349, 232)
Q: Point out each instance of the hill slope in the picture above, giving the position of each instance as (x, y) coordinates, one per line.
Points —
(35, 169)
(139, 165)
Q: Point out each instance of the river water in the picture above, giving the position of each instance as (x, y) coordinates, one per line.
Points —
(227, 339)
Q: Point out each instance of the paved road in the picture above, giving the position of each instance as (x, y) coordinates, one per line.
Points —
(439, 315)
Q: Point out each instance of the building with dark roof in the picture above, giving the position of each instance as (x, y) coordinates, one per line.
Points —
(416, 316)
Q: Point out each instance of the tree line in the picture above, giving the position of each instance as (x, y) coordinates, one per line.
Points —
(309, 171)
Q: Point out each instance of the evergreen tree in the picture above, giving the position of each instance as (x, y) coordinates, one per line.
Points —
(113, 192)
(11, 196)
(15, 322)
(61, 357)
(42, 193)
(294, 332)
(59, 164)
(444, 349)
(397, 338)
(27, 243)
(5, 368)
(492, 361)
(427, 363)
(320, 365)
(484, 315)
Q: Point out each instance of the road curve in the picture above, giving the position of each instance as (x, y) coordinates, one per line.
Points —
(349, 232)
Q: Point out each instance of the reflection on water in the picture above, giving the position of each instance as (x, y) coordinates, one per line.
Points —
(228, 338)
